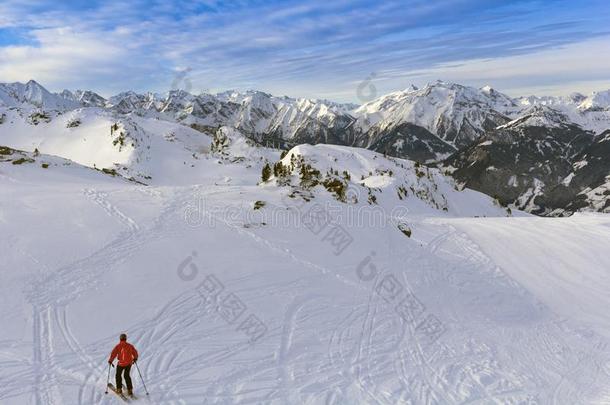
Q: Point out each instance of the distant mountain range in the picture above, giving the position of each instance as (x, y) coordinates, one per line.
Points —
(546, 155)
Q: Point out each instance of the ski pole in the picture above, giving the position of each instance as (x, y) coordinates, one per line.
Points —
(108, 379)
(138, 368)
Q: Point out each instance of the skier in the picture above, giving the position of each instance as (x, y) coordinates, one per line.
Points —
(127, 355)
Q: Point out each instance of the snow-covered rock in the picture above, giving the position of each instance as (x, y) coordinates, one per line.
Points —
(362, 177)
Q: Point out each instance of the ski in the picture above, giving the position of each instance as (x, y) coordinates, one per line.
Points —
(122, 396)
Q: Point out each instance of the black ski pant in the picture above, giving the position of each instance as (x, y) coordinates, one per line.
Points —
(125, 371)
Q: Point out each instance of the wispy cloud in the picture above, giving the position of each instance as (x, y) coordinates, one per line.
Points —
(314, 49)
(581, 66)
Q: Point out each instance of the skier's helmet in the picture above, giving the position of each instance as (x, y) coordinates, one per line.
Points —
(123, 336)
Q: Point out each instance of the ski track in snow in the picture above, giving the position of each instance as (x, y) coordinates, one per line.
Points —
(51, 294)
(363, 349)
(53, 313)
(554, 343)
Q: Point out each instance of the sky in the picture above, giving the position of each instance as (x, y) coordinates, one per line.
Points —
(343, 50)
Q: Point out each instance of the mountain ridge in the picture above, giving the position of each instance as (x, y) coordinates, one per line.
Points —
(453, 126)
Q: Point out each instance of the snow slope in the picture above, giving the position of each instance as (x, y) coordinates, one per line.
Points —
(569, 282)
(81, 135)
(239, 294)
(147, 149)
(48, 171)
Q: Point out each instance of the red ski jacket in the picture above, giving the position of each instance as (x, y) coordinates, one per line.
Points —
(126, 354)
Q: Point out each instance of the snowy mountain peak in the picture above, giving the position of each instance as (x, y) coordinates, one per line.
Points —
(455, 113)
(576, 97)
(87, 98)
(539, 116)
(33, 86)
(597, 101)
(35, 95)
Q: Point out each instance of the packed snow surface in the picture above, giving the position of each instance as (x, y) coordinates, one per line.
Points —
(236, 292)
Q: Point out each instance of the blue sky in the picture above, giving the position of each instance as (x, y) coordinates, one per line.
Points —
(318, 49)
